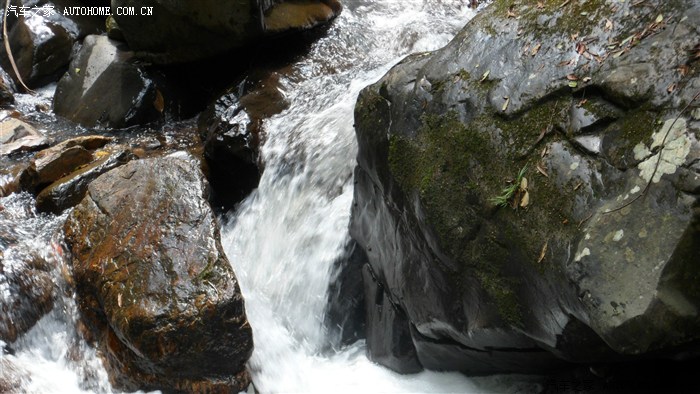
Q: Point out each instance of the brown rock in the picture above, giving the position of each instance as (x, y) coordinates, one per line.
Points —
(153, 283)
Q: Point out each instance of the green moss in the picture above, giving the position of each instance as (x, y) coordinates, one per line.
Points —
(635, 127)
(578, 16)
(502, 294)
(524, 130)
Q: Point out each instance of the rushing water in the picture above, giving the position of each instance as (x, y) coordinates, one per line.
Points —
(284, 238)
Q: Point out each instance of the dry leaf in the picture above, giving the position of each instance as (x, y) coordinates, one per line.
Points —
(671, 88)
(543, 252)
(566, 62)
(572, 77)
(523, 184)
(486, 75)
(535, 49)
(580, 47)
(586, 79)
(505, 105)
(119, 300)
(540, 5)
(683, 70)
(565, 221)
(582, 103)
(608, 25)
(525, 200)
(511, 13)
(544, 151)
(541, 170)
(578, 186)
(659, 19)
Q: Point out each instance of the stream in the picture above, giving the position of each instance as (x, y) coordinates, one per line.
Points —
(284, 239)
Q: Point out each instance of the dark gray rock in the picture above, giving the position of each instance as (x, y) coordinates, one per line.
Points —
(389, 340)
(29, 293)
(42, 40)
(166, 309)
(181, 31)
(87, 94)
(232, 132)
(560, 272)
(7, 88)
(345, 314)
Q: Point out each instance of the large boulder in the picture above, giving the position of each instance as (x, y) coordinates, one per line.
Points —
(492, 187)
(41, 38)
(167, 31)
(105, 87)
(153, 282)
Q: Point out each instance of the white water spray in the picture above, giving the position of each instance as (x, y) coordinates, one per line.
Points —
(285, 237)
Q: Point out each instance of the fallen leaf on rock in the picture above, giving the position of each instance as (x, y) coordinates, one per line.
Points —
(572, 77)
(523, 184)
(608, 25)
(535, 49)
(543, 252)
(505, 105)
(486, 75)
(586, 79)
(671, 88)
(542, 170)
(525, 200)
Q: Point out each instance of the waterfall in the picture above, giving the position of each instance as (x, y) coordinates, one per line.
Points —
(283, 239)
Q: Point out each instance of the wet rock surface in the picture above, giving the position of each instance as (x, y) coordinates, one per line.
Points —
(27, 292)
(19, 136)
(69, 190)
(42, 39)
(183, 31)
(345, 314)
(87, 93)
(232, 131)
(581, 100)
(154, 285)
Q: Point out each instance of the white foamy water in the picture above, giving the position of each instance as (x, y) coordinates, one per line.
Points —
(284, 238)
(52, 357)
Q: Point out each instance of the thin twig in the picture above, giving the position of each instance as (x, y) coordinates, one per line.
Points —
(8, 50)
(658, 160)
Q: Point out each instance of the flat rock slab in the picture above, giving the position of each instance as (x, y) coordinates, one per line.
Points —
(19, 136)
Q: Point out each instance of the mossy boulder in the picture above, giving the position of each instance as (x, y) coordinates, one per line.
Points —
(579, 97)
(154, 285)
